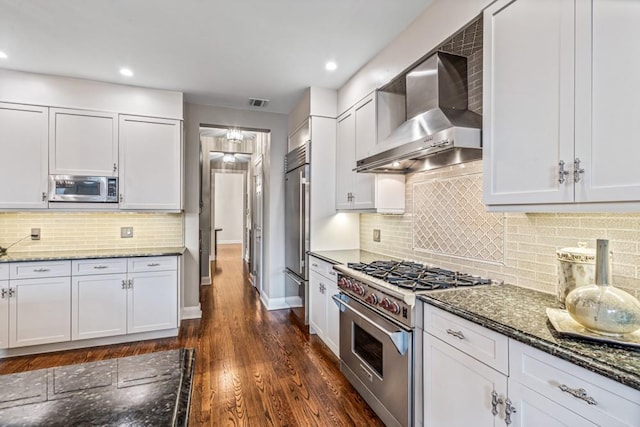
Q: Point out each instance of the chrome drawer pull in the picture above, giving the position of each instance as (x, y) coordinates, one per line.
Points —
(495, 401)
(457, 334)
(153, 264)
(508, 410)
(40, 270)
(100, 267)
(580, 393)
(313, 264)
(3, 293)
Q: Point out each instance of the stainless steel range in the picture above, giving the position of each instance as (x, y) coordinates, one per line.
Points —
(379, 352)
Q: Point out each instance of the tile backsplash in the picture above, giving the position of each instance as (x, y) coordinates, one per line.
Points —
(529, 240)
(90, 230)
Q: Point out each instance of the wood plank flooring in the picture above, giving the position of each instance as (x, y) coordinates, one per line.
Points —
(253, 367)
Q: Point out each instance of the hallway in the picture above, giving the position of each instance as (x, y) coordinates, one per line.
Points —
(253, 367)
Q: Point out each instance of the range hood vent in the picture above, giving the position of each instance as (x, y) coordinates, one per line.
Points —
(440, 130)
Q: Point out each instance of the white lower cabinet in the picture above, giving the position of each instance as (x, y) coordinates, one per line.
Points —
(4, 314)
(152, 301)
(39, 311)
(324, 315)
(458, 389)
(99, 306)
(466, 382)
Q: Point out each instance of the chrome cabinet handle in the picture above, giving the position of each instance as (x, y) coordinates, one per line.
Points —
(153, 264)
(495, 401)
(313, 264)
(40, 270)
(333, 273)
(508, 410)
(561, 172)
(121, 198)
(124, 284)
(577, 170)
(100, 267)
(322, 288)
(12, 292)
(457, 334)
(3, 293)
(580, 393)
(44, 196)
(115, 167)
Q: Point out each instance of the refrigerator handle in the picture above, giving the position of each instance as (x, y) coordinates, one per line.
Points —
(293, 277)
(303, 215)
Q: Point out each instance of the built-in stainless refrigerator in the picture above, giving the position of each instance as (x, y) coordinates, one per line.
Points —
(297, 164)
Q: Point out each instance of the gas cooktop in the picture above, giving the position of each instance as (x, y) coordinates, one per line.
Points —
(417, 277)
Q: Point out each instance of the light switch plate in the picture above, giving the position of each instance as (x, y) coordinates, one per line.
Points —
(126, 232)
(376, 234)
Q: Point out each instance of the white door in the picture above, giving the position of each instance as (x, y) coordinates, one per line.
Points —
(256, 260)
(40, 311)
(607, 108)
(152, 303)
(99, 306)
(23, 156)
(364, 184)
(83, 143)
(535, 410)
(528, 120)
(150, 163)
(457, 388)
(332, 333)
(317, 304)
(345, 159)
(4, 314)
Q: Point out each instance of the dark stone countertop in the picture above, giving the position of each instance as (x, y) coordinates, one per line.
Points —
(350, 255)
(519, 313)
(149, 390)
(89, 254)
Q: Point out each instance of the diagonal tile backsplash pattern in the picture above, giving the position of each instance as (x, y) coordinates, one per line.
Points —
(530, 240)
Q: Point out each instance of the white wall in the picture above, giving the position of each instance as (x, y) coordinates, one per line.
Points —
(228, 215)
(273, 236)
(438, 22)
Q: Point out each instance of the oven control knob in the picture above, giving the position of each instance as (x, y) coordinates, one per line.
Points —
(372, 299)
(358, 289)
(343, 282)
(391, 306)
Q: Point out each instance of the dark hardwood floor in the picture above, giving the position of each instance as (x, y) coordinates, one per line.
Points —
(253, 367)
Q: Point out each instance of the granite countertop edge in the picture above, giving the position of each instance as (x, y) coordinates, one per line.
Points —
(91, 254)
(554, 349)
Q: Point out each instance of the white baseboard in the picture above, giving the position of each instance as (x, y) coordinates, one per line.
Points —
(229, 242)
(204, 281)
(274, 303)
(294, 301)
(193, 312)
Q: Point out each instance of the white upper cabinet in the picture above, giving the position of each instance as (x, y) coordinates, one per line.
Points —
(560, 104)
(150, 163)
(356, 139)
(23, 156)
(83, 143)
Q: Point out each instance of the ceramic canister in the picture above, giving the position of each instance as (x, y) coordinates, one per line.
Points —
(576, 267)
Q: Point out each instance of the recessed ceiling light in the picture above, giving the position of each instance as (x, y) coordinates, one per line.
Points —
(3, 55)
(126, 72)
(331, 66)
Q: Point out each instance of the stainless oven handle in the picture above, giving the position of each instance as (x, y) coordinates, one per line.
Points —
(294, 278)
(399, 338)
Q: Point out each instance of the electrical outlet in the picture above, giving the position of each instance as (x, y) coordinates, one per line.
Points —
(35, 234)
(126, 232)
(376, 234)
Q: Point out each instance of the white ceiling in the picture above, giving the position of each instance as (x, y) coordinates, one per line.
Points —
(218, 52)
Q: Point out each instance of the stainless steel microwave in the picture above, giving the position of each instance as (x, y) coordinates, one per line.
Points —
(82, 189)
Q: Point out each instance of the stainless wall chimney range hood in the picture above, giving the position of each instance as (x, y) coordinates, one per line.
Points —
(439, 130)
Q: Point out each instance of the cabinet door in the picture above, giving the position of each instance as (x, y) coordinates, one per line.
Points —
(534, 410)
(457, 388)
(607, 108)
(345, 160)
(83, 143)
(4, 314)
(40, 311)
(23, 156)
(152, 301)
(99, 306)
(364, 184)
(317, 305)
(150, 163)
(528, 121)
(332, 334)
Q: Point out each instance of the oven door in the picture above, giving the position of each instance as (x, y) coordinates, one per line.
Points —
(376, 356)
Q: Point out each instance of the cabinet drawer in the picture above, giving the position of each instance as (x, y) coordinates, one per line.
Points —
(483, 344)
(161, 263)
(87, 267)
(30, 270)
(323, 268)
(4, 271)
(611, 403)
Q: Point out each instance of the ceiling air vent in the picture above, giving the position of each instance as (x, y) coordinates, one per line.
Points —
(257, 102)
